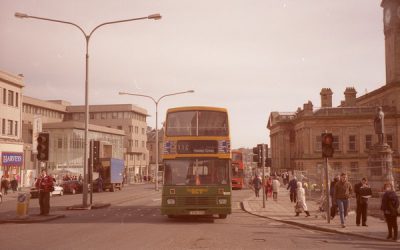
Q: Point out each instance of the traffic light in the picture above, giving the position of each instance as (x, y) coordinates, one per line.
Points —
(327, 145)
(43, 147)
(258, 154)
(95, 154)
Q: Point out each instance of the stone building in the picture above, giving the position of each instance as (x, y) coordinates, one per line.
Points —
(127, 117)
(11, 145)
(296, 136)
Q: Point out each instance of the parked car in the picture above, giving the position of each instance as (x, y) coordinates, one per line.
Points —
(72, 186)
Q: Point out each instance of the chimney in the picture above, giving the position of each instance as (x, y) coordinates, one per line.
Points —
(326, 98)
(350, 97)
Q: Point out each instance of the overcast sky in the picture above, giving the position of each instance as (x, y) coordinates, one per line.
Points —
(250, 56)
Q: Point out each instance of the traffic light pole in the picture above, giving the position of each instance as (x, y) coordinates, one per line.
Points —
(263, 171)
(327, 189)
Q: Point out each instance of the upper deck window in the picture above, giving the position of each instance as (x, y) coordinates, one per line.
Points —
(197, 123)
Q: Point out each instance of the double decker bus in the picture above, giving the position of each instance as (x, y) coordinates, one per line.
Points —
(237, 170)
(196, 162)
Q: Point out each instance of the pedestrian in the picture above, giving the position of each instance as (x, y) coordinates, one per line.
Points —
(275, 188)
(4, 184)
(334, 207)
(257, 185)
(267, 187)
(301, 200)
(100, 184)
(389, 206)
(363, 193)
(14, 184)
(342, 193)
(292, 187)
(80, 178)
(45, 185)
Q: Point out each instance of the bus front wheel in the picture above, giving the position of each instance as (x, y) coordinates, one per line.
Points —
(222, 216)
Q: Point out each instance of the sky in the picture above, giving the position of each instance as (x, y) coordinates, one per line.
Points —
(252, 57)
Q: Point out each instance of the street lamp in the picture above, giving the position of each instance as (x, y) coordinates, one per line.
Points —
(87, 39)
(156, 102)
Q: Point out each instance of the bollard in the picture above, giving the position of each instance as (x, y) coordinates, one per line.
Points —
(23, 205)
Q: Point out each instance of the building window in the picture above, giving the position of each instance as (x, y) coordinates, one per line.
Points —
(144, 157)
(103, 115)
(352, 143)
(368, 141)
(114, 115)
(142, 144)
(91, 116)
(136, 130)
(16, 128)
(11, 98)
(143, 131)
(16, 99)
(318, 143)
(59, 143)
(136, 143)
(9, 127)
(337, 167)
(336, 142)
(130, 143)
(354, 167)
(4, 96)
(130, 128)
(389, 140)
(3, 127)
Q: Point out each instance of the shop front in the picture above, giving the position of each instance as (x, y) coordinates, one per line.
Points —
(11, 165)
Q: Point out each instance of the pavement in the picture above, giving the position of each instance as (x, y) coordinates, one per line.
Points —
(283, 211)
(33, 213)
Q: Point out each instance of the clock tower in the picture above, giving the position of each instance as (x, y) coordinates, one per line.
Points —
(391, 21)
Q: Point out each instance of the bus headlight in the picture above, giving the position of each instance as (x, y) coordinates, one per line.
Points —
(222, 201)
(171, 201)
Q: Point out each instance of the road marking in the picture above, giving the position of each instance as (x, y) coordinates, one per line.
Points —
(158, 199)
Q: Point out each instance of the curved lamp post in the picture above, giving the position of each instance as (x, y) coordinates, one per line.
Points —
(156, 103)
(87, 39)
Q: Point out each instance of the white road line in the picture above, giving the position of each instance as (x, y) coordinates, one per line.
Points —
(158, 199)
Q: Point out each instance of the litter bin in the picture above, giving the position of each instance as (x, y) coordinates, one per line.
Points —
(23, 205)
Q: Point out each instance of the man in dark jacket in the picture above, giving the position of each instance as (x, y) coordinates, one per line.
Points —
(389, 206)
(332, 192)
(292, 186)
(45, 185)
(363, 192)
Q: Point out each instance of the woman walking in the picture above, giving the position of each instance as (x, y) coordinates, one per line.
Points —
(301, 200)
(389, 206)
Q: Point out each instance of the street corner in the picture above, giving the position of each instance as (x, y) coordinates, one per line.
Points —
(89, 207)
(79, 207)
(100, 205)
(33, 219)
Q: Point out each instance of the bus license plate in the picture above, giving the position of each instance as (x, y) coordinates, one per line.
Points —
(197, 212)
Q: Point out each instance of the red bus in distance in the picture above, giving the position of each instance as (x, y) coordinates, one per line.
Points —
(237, 170)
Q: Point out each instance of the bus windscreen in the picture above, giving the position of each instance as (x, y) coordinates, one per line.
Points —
(196, 172)
(197, 123)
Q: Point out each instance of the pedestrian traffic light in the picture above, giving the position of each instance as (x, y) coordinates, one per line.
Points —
(95, 151)
(258, 154)
(43, 147)
(327, 145)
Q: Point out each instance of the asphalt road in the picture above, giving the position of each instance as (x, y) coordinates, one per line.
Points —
(133, 221)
